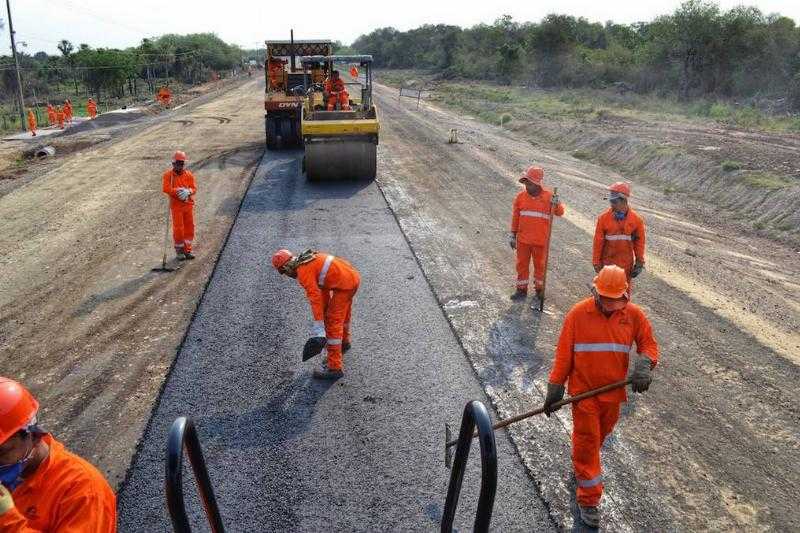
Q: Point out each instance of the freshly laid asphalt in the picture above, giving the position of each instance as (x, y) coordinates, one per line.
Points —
(288, 453)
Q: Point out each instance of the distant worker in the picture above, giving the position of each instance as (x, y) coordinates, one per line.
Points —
(91, 108)
(619, 237)
(594, 350)
(331, 284)
(68, 112)
(60, 117)
(164, 96)
(354, 71)
(335, 92)
(179, 184)
(530, 223)
(31, 123)
(51, 115)
(44, 487)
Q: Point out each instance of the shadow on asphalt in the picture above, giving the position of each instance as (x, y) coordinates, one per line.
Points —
(292, 401)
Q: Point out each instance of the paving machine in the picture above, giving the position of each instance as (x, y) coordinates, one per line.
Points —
(286, 89)
(340, 134)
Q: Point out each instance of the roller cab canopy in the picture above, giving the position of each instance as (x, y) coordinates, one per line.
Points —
(283, 48)
(362, 60)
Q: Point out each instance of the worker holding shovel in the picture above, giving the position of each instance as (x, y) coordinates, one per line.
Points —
(331, 284)
(593, 350)
(531, 220)
(179, 184)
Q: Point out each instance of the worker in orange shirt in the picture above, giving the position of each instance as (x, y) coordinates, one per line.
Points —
(44, 487)
(68, 112)
(164, 96)
(335, 92)
(179, 184)
(331, 284)
(60, 117)
(593, 350)
(51, 115)
(31, 122)
(91, 108)
(530, 224)
(619, 237)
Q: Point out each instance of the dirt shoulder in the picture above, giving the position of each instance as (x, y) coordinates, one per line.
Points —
(83, 321)
(749, 177)
(714, 444)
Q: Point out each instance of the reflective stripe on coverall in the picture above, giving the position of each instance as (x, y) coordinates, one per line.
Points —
(65, 494)
(530, 220)
(331, 284)
(592, 352)
(620, 242)
(182, 212)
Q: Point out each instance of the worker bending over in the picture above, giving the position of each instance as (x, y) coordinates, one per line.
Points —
(530, 225)
(593, 350)
(179, 184)
(335, 92)
(44, 487)
(331, 284)
(619, 237)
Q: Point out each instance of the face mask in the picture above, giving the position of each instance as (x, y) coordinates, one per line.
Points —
(11, 475)
(619, 215)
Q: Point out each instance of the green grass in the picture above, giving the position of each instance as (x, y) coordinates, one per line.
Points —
(765, 180)
(730, 166)
(581, 154)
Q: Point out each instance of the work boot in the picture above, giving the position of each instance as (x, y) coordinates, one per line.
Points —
(520, 294)
(187, 255)
(180, 256)
(590, 516)
(328, 373)
(346, 345)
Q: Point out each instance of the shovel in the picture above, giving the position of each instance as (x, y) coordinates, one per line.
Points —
(547, 253)
(449, 443)
(164, 268)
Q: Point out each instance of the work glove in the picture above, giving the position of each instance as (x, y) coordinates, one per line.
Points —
(183, 193)
(598, 268)
(6, 501)
(313, 347)
(555, 393)
(512, 240)
(637, 269)
(640, 378)
(555, 200)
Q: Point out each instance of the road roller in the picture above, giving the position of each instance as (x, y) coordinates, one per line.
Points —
(339, 120)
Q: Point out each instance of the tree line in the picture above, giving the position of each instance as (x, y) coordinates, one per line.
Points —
(116, 73)
(698, 50)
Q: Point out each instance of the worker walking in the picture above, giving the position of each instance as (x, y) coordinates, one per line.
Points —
(335, 92)
(60, 117)
(44, 487)
(31, 122)
(619, 237)
(51, 115)
(68, 112)
(91, 108)
(530, 224)
(594, 350)
(179, 184)
(331, 284)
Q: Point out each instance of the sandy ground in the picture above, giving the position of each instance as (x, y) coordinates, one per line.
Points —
(714, 445)
(83, 321)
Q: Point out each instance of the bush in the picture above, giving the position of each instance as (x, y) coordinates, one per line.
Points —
(719, 111)
(730, 166)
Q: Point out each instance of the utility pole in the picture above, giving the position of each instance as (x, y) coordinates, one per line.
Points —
(20, 99)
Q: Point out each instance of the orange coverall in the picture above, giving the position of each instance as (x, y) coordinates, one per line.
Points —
(51, 115)
(65, 494)
(331, 284)
(60, 118)
(91, 108)
(593, 351)
(619, 243)
(68, 112)
(343, 97)
(182, 212)
(32, 123)
(530, 220)
(164, 96)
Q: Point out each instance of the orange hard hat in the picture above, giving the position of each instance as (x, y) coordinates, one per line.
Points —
(280, 258)
(611, 282)
(620, 187)
(179, 156)
(18, 408)
(534, 175)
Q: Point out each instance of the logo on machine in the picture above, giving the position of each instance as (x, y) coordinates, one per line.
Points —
(288, 104)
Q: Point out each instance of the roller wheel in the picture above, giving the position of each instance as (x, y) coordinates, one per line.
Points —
(272, 135)
(341, 160)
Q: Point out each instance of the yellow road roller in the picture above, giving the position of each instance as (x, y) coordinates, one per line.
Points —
(339, 121)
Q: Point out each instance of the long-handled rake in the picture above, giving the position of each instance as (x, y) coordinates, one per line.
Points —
(164, 267)
(449, 443)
